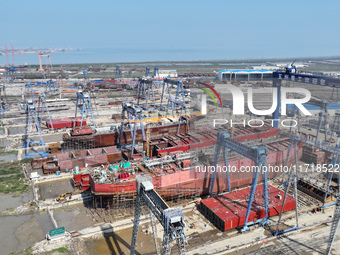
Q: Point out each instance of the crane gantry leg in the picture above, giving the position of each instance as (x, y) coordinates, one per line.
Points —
(217, 155)
(254, 182)
(171, 219)
(256, 154)
(291, 175)
(136, 220)
(335, 226)
(154, 231)
(329, 180)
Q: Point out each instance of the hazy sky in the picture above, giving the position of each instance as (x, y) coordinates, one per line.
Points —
(263, 27)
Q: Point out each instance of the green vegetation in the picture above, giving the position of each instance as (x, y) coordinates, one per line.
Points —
(12, 178)
(10, 168)
(13, 183)
(17, 195)
(10, 209)
(26, 160)
(61, 250)
(5, 153)
(28, 251)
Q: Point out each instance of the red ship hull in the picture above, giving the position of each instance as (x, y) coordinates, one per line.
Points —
(198, 181)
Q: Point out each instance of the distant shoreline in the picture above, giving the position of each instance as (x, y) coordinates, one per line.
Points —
(216, 61)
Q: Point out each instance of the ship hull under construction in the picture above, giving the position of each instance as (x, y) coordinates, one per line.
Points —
(197, 180)
(112, 139)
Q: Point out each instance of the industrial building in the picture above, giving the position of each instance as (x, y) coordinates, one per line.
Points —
(332, 109)
(245, 75)
(167, 74)
(137, 153)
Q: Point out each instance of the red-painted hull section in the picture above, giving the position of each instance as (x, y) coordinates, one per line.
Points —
(228, 211)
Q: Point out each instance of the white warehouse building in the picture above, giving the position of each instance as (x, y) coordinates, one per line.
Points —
(245, 75)
(167, 74)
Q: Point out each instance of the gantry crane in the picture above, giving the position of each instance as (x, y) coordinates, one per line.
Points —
(13, 54)
(4, 106)
(32, 118)
(85, 106)
(42, 105)
(50, 87)
(171, 219)
(292, 178)
(48, 65)
(291, 74)
(136, 114)
(256, 154)
(322, 146)
(174, 102)
(143, 93)
(118, 73)
(335, 226)
(156, 73)
(147, 72)
(11, 73)
(323, 104)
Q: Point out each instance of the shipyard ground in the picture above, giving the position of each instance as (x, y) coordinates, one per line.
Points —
(101, 238)
(24, 223)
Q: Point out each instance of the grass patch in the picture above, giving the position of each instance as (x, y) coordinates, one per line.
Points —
(10, 168)
(12, 178)
(26, 160)
(5, 153)
(61, 250)
(13, 183)
(17, 195)
(28, 251)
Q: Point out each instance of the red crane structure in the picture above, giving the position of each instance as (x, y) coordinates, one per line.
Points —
(13, 54)
(48, 65)
(7, 54)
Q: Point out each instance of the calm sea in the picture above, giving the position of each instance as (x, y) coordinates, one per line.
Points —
(89, 55)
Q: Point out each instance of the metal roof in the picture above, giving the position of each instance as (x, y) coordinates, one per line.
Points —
(247, 71)
(332, 106)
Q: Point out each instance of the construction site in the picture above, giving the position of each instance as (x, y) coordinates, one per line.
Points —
(166, 163)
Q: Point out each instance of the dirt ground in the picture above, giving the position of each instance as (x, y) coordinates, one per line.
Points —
(54, 189)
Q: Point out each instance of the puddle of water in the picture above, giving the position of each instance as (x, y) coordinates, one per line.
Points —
(4, 143)
(8, 158)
